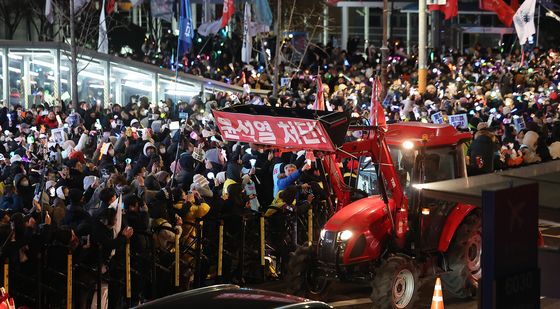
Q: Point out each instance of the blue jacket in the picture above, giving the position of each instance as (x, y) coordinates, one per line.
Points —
(288, 181)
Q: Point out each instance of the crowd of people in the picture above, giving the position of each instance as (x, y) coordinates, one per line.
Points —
(91, 179)
(504, 92)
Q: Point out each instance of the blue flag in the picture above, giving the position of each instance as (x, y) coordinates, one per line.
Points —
(263, 13)
(185, 29)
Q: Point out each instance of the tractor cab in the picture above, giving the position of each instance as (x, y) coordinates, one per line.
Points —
(420, 153)
(424, 153)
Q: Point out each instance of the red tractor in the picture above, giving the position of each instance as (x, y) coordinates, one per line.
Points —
(394, 239)
(390, 240)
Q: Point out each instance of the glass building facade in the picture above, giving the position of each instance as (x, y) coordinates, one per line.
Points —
(31, 72)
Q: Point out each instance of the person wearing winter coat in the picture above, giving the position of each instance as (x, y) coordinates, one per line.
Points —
(23, 198)
(145, 157)
(195, 209)
(482, 151)
(75, 212)
(59, 205)
(110, 237)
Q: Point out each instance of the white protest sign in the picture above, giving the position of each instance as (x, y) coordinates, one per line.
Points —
(437, 118)
(59, 136)
(518, 123)
(458, 120)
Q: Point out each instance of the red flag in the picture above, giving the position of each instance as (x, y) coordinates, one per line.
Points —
(110, 7)
(332, 2)
(320, 100)
(505, 12)
(227, 12)
(377, 114)
(514, 5)
(450, 9)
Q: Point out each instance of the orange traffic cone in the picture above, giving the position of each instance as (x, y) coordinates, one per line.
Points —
(437, 299)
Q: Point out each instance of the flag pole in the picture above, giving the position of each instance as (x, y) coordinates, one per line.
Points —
(538, 24)
(522, 56)
(177, 61)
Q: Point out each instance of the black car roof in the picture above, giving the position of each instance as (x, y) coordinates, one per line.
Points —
(231, 296)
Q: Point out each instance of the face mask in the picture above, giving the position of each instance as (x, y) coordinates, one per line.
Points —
(144, 112)
(113, 124)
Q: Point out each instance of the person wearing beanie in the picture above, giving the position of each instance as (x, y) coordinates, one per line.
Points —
(204, 191)
(200, 180)
(197, 209)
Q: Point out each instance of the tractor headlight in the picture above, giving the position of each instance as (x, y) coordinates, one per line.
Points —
(408, 145)
(345, 235)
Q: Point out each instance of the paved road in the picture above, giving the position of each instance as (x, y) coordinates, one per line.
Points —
(349, 296)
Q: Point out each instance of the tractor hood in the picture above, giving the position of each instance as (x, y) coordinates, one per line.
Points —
(359, 215)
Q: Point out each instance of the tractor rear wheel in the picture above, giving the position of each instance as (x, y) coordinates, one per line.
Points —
(464, 258)
(302, 275)
(396, 284)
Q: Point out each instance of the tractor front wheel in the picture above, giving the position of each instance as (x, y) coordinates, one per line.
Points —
(396, 284)
(303, 277)
(464, 259)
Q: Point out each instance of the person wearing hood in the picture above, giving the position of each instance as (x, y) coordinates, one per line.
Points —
(189, 167)
(148, 151)
(233, 177)
(23, 199)
(59, 205)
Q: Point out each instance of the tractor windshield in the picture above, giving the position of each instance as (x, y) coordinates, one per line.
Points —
(439, 164)
(403, 159)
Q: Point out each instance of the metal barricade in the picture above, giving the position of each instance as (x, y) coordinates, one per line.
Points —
(69, 283)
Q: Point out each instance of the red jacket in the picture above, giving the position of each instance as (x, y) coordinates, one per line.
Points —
(51, 124)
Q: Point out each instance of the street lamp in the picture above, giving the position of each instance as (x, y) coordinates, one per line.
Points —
(384, 51)
(422, 67)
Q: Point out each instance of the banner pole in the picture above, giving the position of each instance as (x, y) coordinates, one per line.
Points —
(220, 248)
(69, 281)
